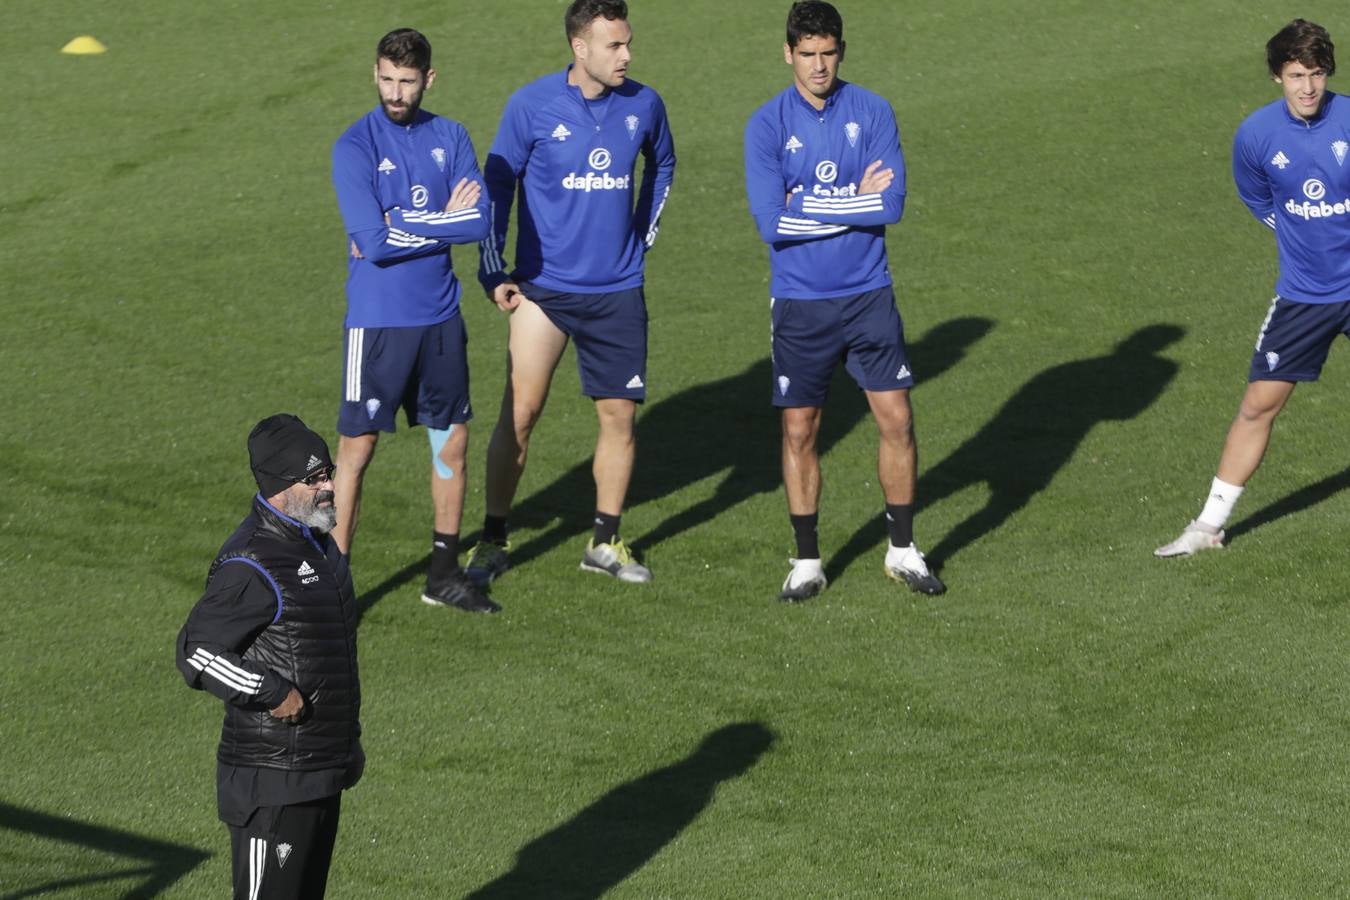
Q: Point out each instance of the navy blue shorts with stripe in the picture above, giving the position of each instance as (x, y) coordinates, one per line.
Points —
(1295, 339)
(811, 337)
(610, 334)
(422, 368)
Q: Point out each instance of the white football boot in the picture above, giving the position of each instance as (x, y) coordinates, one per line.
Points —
(804, 581)
(906, 565)
(1194, 539)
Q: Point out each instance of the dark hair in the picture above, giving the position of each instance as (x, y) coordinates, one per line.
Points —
(813, 18)
(405, 48)
(1302, 42)
(582, 13)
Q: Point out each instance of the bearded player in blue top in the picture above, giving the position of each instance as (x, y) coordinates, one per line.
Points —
(1291, 168)
(567, 146)
(408, 187)
(825, 176)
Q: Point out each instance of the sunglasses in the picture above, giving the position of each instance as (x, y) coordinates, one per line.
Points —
(314, 479)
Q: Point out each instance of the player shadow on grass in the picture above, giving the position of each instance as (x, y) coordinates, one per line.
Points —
(1018, 452)
(727, 426)
(365, 599)
(608, 841)
(155, 865)
(1304, 498)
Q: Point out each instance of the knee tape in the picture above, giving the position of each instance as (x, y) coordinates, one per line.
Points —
(438, 439)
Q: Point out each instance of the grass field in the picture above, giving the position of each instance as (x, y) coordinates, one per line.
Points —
(1074, 718)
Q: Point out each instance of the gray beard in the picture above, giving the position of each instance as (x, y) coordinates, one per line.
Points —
(308, 513)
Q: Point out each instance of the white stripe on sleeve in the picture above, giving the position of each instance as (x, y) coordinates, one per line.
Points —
(492, 260)
(225, 672)
(843, 205)
(400, 238)
(441, 218)
(656, 219)
(788, 225)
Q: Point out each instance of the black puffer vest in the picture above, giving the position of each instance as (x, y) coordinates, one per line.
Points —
(312, 643)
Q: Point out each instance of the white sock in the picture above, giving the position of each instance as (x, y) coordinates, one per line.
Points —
(1219, 506)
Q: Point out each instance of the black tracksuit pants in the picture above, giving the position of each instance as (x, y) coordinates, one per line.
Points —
(284, 851)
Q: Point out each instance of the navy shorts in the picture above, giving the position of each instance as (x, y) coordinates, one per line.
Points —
(610, 334)
(810, 337)
(422, 368)
(1295, 339)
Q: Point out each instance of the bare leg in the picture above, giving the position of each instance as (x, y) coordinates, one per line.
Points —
(533, 351)
(801, 464)
(354, 455)
(1243, 450)
(1249, 435)
(897, 453)
(801, 482)
(615, 449)
(897, 465)
(447, 494)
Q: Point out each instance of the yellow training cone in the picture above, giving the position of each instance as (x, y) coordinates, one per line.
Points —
(84, 44)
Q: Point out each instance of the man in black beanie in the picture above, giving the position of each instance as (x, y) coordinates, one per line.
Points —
(274, 636)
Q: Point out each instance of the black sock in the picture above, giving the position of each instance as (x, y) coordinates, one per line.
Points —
(900, 523)
(444, 555)
(804, 529)
(494, 529)
(606, 528)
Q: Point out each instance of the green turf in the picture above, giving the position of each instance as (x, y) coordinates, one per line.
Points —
(1074, 718)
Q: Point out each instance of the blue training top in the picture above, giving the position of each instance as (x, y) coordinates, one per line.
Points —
(827, 240)
(580, 228)
(407, 173)
(1294, 176)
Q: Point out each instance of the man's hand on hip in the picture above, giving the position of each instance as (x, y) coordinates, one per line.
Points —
(291, 709)
(507, 296)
